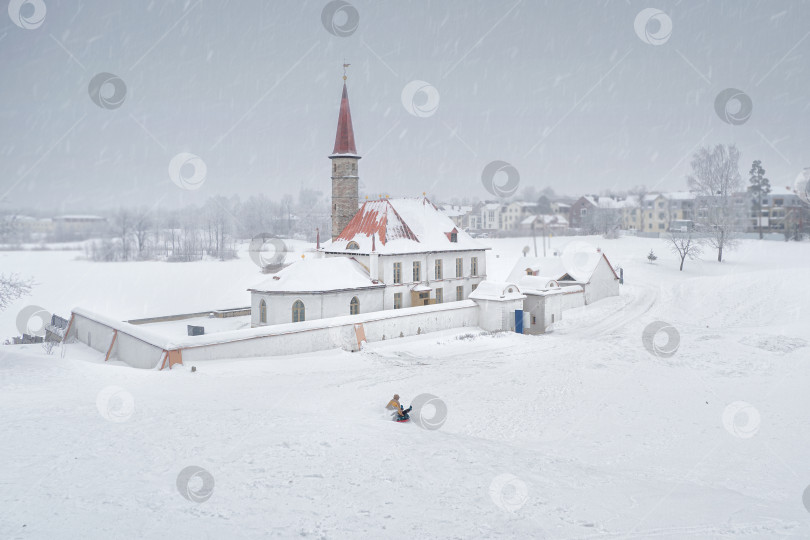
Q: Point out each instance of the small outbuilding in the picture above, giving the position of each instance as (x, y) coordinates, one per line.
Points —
(590, 270)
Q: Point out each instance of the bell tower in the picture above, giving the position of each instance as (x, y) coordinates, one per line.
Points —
(344, 168)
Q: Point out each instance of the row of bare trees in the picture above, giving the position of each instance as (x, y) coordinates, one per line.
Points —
(208, 231)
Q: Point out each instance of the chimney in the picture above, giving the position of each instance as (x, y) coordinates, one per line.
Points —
(373, 261)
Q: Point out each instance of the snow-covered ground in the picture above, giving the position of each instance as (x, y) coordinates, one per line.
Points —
(579, 433)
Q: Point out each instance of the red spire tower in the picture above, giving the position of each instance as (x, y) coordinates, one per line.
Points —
(344, 167)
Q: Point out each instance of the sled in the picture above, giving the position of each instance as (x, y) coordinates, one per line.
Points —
(402, 421)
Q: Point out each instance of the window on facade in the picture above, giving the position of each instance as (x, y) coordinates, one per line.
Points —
(660, 225)
(459, 267)
(397, 272)
(417, 271)
(263, 312)
(460, 292)
(474, 266)
(352, 245)
(583, 211)
(474, 286)
(354, 306)
(397, 300)
(298, 314)
(437, 269)
(439, 296)
(453, 237)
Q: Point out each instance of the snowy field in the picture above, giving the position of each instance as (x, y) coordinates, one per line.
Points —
(579, 433)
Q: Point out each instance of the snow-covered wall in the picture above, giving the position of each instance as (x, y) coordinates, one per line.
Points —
(142, 348)
(132, 345)
(322, 334)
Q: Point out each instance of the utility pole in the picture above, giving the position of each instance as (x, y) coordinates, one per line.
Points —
(544, 237)
(534, 239)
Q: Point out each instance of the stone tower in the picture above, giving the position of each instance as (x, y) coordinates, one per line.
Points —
(344, 169)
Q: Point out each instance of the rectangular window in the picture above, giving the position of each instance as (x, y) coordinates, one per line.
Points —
(459, 267)
(417, 271)
(437, 269)
(474, 286)
(397, 272)
(460, 292)
(397, 300)
(474, 266)
(439, 296)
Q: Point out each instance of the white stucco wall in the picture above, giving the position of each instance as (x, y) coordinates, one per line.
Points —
(317, 305)
(572, 299)
(336, 332)
(92, 333)
(498, 314)
(448, 283)
(135, 352)
(99, 334)
(602, 284)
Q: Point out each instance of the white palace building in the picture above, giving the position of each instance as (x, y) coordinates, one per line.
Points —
(389, 254)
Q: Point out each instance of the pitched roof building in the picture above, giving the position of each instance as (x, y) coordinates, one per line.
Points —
(389, 254)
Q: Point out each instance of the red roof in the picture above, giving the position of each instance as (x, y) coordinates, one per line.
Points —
(377, 218)
(344, 140)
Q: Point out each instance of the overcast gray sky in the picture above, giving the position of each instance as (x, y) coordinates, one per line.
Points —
(569, 93)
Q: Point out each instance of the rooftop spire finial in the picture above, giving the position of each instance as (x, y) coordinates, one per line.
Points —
(345, 65)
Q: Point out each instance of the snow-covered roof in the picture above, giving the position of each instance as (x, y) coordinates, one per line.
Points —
(455, 210)
(779, 190)
(548, 219)
(318, 274)
(412, 225)
(496, 290)
(550, 267)
(606, 202)
(536, 285)
(578, 263)
(680, 195)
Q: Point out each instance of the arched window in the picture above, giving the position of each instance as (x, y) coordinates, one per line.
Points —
(353, 245)
(263, 312)
(354, 306)
(298, 311)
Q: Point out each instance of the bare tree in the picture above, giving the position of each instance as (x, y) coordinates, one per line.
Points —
(141, 225)
(13, 287)
(685, 245)
(122, 225)
(715, 178)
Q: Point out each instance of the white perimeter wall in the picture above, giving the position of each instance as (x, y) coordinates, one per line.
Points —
(340, 332)
(129, 349)
(573, 299)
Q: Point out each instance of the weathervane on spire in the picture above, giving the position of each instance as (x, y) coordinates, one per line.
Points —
(345, 65)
